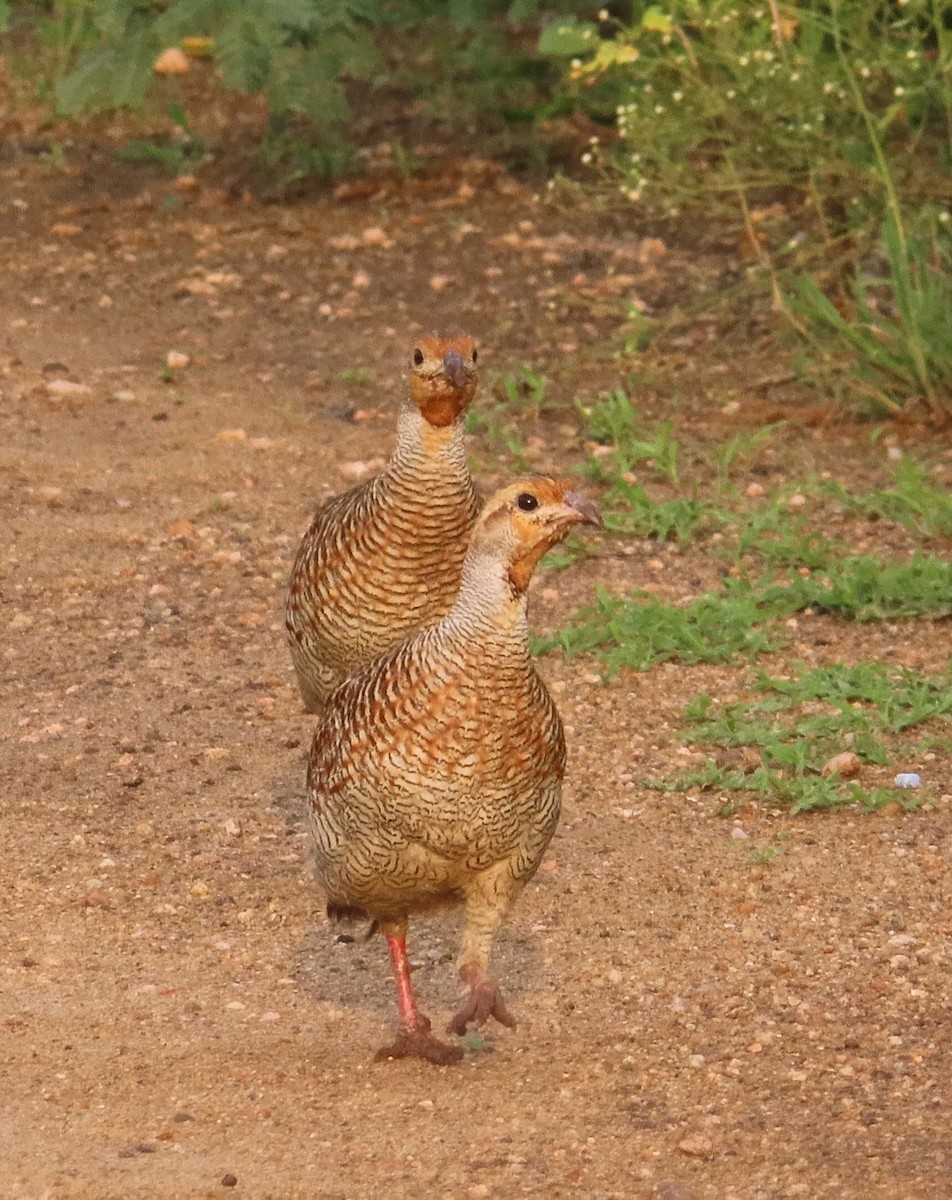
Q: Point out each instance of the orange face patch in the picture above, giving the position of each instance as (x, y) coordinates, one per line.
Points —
(443, 378)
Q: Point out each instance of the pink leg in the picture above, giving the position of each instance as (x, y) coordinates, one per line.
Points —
(413, 1039)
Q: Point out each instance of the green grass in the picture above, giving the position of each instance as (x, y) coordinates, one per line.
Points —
(797, 724)
(630, 510)
(640, 630)
(523, 390)
(614, 421)
(914, 501)
(742, 620)
(776, 539)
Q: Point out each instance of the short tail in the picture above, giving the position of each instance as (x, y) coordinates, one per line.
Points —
(352, 912)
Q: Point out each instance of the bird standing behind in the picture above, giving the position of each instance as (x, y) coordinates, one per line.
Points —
(435, 773)
(383, 560)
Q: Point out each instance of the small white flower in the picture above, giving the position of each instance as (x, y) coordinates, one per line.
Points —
(899, 91)
(743, 60)
(604, 15)
(944, 216)
(635, 158)
(593, 141)
(586, 158)
(768, 56)
(677, 97)
(827, 88)
(576, 64)
(865, 72)
(912, 54)
(731, 94)
(659, 109)
(794, 76)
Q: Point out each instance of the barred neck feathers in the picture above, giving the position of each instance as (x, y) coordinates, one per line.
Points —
(426, 450)
(487, 606)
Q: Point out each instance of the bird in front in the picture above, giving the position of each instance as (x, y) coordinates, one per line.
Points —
(435, 773)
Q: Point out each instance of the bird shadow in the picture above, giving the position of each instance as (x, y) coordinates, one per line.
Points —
(340, 968)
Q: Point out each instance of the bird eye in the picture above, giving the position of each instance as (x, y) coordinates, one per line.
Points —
(475, 355)
(418, 358)
(526, 501)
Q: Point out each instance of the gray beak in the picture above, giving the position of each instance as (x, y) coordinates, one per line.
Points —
(587, 509)
(455, 369)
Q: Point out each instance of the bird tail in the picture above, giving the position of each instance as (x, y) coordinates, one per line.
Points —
(351, 912)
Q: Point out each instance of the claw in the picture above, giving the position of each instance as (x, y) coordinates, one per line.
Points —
(484, 1000)
(420, 1043)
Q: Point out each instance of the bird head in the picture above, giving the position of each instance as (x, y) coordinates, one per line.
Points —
(523, 520)
(443, 378)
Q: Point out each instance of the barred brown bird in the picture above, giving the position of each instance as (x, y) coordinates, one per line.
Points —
(435, 773)
(384, 559)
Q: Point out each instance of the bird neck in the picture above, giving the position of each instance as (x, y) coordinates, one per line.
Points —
(488, 606)
(424, 451)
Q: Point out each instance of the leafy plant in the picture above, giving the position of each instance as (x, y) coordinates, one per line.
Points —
(864, 588)
(302, 56)
(777, 540)
(844, 113)
(179, 157)
(523, 389)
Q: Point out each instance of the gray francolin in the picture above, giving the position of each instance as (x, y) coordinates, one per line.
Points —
(384, 559)
(435, 773)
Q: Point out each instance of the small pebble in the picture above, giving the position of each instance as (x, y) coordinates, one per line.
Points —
(229, 1180)
(66, 387)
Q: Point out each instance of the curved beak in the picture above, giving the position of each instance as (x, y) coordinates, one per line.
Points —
(588, 511)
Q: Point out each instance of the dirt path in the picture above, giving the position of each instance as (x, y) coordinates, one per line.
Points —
(175, 1017)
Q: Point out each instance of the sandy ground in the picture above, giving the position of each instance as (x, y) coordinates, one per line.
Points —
(708, 1007)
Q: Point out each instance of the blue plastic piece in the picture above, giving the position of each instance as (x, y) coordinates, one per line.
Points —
(910, 780)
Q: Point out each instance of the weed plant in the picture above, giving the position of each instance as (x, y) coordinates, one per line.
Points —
(841, 110)
(741, 621)
(302, 56)
(797, 724)
(913, 500)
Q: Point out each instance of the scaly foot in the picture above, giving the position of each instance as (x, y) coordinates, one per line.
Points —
(418, 1042)
(483, 1000)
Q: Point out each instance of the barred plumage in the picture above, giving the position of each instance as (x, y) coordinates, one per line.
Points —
(384, 559)
(435, 773)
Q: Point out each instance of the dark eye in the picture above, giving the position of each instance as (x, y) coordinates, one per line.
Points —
(526, 501)
(475, 355)
(418, 358)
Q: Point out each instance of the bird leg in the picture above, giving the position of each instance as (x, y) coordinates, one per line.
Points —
(482, 1001)
(413, 1039)
(486, 905)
